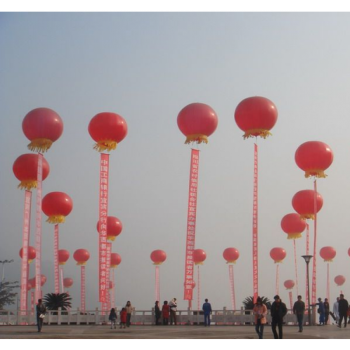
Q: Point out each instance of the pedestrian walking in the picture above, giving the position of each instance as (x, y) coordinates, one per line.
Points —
(123, 318)
(207, 311)
(40, 314)
(129, 309)
(278, 311)
(165, 313)
(157, 313)
(320, 311)
(173, 309)
(299, 310)
(326, 311)
(113, 318)
(260, 312)
(335, 313)
(343, 310)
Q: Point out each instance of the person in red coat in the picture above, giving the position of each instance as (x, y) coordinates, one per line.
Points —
(123, 314)
(165, 313)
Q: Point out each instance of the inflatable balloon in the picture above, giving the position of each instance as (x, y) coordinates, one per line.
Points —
(289, 284)
(328, 253)
(67, 282)
(199, 255)
(158, 257)
(31, 254)
(114, 227)
(81, 256)
(197, 121)
(115, 260)
(107, 130)
(63, 256)
(339, 280)
(42, 126)
(277, 254)
(231, 255)
(57, 205)
(303, 203)
(33, 281)
(293, 225)
(256, 116)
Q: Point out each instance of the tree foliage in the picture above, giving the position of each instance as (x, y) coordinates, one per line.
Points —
(248, 303)
(53, 301)
(7, 294)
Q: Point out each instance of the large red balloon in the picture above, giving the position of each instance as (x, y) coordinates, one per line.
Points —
(42, 126)
(197, 121)
(25, 169)
(328, 253)
(158, 256)
(289, 284)
(199, 255)
(114, 227)
(67, 282)
(107, 129)
(231, 255)
(115, 260)
(293, 225)
(33, 280)
(314, 157)
(57, 205)
(277, 254)
(31, 254)
(63, 256)
(339, 280)
(303, 203)
(81, 256)
(256, 116)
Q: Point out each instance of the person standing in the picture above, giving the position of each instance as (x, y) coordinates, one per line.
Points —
(123, 317)
(207, 311)
(336, 311)
(320, 310)
(260, 312)
(157, 312)
(326, 311)
(113, 318)
(129, 309)
(40, 314)
(278, 311)
(343, 310)
(165, 313)
(299, 310)
(173, 309)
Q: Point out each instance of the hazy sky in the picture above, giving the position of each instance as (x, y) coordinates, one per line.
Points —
(147, 67)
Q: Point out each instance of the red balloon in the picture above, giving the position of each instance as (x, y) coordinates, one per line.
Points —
(199, 255)
(29, 286)
(81, 256)
(158, 257)
(328, 253)
(289, 284)
(57, 205)
(303, 203)
(107, 129)
(42, 126)
(115, 260)
(231, 255)
(293, 225)
(197, 121)
(314, 157)
(67, 282)
(277, 254)
(339, 280)
(114, 227)
(256, 116)
(33, 281)
(31, 254)
(25, 169)
(63, 256)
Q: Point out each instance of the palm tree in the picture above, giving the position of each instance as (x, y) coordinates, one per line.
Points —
(248, 303)
(53, 301)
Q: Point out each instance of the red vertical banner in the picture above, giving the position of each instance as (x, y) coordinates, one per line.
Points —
(291, 300)
(296, 267)
(277, 279)
(82, 289)
(313, 290)
(25, 245)
(191, 224)
(61, 277)
(113, 289)
(307, 253)
(55, 244)
(32, 302)
(198, 289)
(328, 285)
(255, 225)
(157, 286)
(232, 286)
(38, 229)
(106, 304)
(103, 213)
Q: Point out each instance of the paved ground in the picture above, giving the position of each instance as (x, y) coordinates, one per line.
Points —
(167, 332)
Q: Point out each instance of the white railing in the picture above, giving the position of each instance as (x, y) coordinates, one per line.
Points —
(139, 317)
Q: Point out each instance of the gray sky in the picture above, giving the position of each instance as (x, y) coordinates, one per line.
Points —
(147, 67)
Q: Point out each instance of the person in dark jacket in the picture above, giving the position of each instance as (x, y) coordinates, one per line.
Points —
(321, 312)
(157, 312)
(343, 309)
(299, 310)
(40, 314)
(207, 311)
(326, 311)
(113, 318)
(278, 311)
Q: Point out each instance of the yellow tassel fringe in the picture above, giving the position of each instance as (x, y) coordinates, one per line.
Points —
(62, 263)
(105, 145)
(231, 262)
(326, 260)
(307, 216)
(257, 132)
(114, 266)
(28, 184)
(199, 263)
(81, 263)
(315, 172)
(56, 219)
(197, 138)
(278, 261)
(111, 238)
(40, 145)
(30, 260)
(158, 263)
(294, 235)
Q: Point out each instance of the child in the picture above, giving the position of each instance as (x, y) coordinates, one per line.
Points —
(113, 318)
(123, 318)
(165, 313)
